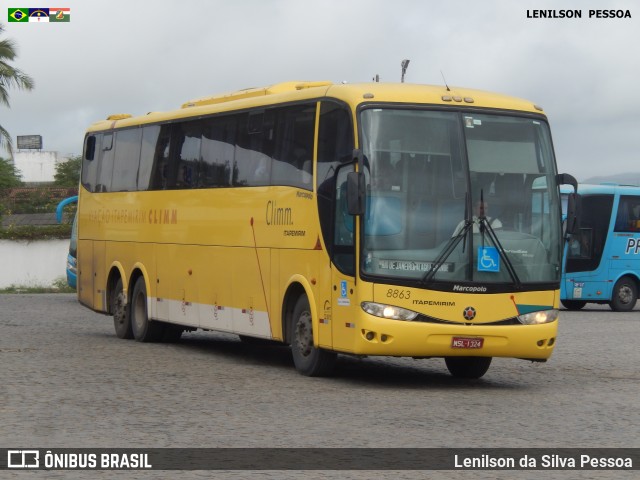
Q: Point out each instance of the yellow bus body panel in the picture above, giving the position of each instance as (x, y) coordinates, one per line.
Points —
(224, 258)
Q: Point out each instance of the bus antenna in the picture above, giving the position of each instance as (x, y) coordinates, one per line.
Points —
(445, 81)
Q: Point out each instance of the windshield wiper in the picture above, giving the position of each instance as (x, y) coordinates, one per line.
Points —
(486, 225)
(447, 250)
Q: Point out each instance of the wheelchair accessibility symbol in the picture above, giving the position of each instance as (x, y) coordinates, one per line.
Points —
(488, 259)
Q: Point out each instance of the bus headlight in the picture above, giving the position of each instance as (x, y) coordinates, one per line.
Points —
(388, 311)
(537, 318)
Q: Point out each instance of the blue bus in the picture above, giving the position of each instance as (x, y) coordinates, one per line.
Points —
(602, 259)
(73, 243)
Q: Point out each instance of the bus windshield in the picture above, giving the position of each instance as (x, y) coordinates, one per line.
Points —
(459, 197)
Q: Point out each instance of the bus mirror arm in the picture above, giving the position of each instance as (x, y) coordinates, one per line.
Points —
(574, 204)
(356, 191)
(356, 187)
(572, 224)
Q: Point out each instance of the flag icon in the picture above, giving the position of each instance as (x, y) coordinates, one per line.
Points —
(59, 14)
(18, 14)
(39, 15)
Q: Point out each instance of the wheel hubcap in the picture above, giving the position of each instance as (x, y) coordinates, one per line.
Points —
(139, 311)
(119, 308)
(304, 334)
(625, 294)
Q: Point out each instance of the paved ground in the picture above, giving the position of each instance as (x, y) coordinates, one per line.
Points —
(69, 382)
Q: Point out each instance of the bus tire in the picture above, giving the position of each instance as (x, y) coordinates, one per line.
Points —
(624, 295)
(573, 304)
(468, 367)
(144, 330)
(120, 310)
(308, 360)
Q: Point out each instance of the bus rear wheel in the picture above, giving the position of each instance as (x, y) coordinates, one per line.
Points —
(308, 360)
(624, 295)
(468, 367)
(120, 311)
(573, 304)
(144, 330)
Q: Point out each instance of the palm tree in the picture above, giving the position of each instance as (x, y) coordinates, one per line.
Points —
(10, 77)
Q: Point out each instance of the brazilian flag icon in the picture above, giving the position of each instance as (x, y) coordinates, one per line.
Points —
(19, 15)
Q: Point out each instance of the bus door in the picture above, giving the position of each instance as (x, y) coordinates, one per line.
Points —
(586, 268)
(343, 286)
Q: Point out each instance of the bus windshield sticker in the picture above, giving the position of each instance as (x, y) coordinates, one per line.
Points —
(343, 301)
(488, 259)
(412, 266)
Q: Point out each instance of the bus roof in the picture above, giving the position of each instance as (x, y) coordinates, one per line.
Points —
(603, 189)
(353, 94)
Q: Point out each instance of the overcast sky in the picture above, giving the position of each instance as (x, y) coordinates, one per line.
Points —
(136, 56)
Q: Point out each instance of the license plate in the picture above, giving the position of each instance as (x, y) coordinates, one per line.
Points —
(465, 342)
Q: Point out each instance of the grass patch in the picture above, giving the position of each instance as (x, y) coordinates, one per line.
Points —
(58, 286)
(36, 232)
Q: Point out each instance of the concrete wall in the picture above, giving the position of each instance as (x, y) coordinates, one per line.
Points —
(31, 264)
(37, 166)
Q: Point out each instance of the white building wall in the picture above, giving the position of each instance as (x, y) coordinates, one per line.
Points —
(37, 166)
(32, 264)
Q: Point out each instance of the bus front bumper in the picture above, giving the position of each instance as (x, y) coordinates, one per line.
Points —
(378, 336)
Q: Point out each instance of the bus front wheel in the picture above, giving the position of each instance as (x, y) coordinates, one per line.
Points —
(144, 330)
(624, 295)
(309, 360)
(467, 367)
(120, 311)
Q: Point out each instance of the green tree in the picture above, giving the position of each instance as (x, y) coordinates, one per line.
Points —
(68, 173)
(10, 77)
(9, 175)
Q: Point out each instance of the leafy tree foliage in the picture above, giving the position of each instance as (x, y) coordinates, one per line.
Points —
(68, 173)
(10, 77)
(9, 175)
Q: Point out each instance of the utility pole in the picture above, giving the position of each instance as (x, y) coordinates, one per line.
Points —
(404, 64)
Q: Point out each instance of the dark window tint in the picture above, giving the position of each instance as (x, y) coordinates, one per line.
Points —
(106, 164)
(91, 161)
(293, 128)
(253, 151)
(126, 160)
(335, 147)
(162, 177)
(217, 151)
(628, 217)
(594, 225)
(149, 140)
(186, 154)
(335, 139)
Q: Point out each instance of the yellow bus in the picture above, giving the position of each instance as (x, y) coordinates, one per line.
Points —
(334, 218)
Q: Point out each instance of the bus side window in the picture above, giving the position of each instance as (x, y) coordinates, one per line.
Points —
(126, 160)
(160, 178)
(217, 151)
(344, 231)
(293, 147)
(91, 162)
(188, 154)
(105, 171)
(149, 140)
(628, 217)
